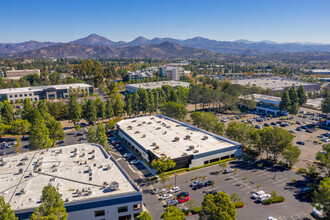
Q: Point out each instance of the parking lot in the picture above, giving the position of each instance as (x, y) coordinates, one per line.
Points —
(291, 208)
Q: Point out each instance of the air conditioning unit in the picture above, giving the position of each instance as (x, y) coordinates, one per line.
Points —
(114, 185)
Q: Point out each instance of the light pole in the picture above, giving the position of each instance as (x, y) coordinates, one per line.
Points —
(175, 185)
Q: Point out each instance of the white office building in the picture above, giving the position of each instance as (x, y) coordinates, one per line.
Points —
(92, 184)
(131, 88)
(171, 72)
(158, 136)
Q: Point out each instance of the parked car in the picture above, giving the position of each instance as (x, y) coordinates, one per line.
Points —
(174, 189)
(195, 183)
(325, 139)
(182, 194)
(266, 125)
(183, 199)
(156, 191)
(228, 170)
(271, 218)
(135, 161)
(172, 202)
(320, 136)
(257, 126)
(166, 196)
(303, 127)
(300, 142)
(264, 197)
(213, 192)
(209, 183)
(298, 123)
(273, 123)
(317, 214)
(198, 186)
(128, 155)
(258, 194)
(298, 129)
(292, 131)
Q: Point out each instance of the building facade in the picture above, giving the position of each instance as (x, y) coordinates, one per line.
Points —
(131, 88)
(15, 75)
(171, 72)
(52, 92)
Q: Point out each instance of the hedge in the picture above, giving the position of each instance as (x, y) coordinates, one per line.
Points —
(196, 210)
(239, 204)
(152, 179)
(276, 199)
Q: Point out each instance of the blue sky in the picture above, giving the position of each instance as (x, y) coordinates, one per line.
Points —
(256, 20)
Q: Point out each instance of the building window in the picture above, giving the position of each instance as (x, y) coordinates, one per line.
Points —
(125, 217)
(122, 209)
(206, 162)
(20, 95)
(30, 94)
(11, 96)
(214, 160)
(136, 215)
(35, 99)
(99, 213)
(136, 206)
(25, 95)
(15, 96)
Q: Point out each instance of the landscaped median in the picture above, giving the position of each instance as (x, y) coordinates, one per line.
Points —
(276, 199)
(183, 170)
(239, 204)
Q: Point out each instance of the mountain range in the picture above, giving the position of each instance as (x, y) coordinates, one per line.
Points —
(198, 47)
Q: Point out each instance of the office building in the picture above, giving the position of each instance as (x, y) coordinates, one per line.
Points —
(171, 72)
(15, 75)
(159, 136)
(52, 92)
(154, 85)
(92, 184)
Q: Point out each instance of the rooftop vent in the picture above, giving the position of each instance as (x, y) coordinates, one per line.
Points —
(184, 154)
(129, 127)
(176, 139)
(156, 147)
(20, 170)
(143, 136)
(82, 155)
(165, 132)
(163, 155)
(143, 122)
(52, 179)
(93, 157)
(22, 192)
(158, 128)
(153, 144)
(114, 185)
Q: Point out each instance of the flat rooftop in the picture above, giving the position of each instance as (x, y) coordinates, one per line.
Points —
(77, 178)
(40, 88)
(152, 131)
(273, 83)
(155, 85)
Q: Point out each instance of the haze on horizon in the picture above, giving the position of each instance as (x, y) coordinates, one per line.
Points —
(254, 20)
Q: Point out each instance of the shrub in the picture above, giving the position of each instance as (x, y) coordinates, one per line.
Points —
(239, 204)
(196, 210)
(275, 199)
(152, 179)
(302, 170)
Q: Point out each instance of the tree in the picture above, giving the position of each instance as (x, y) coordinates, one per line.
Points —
(56, 132)
(39, 133)
(324, 159)
(74, 110)
(118, 107)
(235, 197)
(42, 107)
(3, 128)
(223, 165)
(163, 178)
(163, 164)
(27, 109)
(5, 211)
(217, 207)
(20, 127)
(91, 135)
(293, 95)
(194, 94)
(151, 103)
(326, 104)
(174, 110)
(294, 109)
(321, 197)
(144, 216)
(136, 103)
(108, 109)
(101, 137)
(173, 213)
(285, 102)
(128, 106)
(90, 111)
(102, 112)
(110, 124)
(51, 207)
(291, 154)
(7, 113)
(302, 95)
(77, 128)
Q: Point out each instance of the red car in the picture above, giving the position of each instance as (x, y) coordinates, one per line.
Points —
(183, 199)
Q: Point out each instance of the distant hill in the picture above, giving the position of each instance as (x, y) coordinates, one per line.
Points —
(164, 50)
(239, 47)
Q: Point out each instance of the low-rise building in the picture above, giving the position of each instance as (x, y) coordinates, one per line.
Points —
(143, 74)
(131, 88)
(92, 184)
(159, 136)
(15, 75)
(52, 92)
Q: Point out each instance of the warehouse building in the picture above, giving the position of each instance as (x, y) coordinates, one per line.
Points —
(131, 88)
(15, 75)
(92, 185)
(52, 92)
(159, 136)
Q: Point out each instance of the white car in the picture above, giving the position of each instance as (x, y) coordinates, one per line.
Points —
(320, 136)
(325, 140)
(264, 197)
(258, 194)
(271, 218)
(316, 213)
(196, 182)
(166, 196)
(156, 191)
(172, 202)
(174, 189)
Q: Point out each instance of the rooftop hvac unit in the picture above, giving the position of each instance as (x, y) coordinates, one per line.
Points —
(143, 122)
(108, 167)
(23, 191)
(156, 147)
(184, 154)
(20, 170)
(55, 170)
(168, 126)
(177, 125)
(75, 150)
(152, 118)
(187, 136)
(163, 155)
(52, 179)
(196, 151)
(129, 127)
(158, 128)
(176, 138)
(143, 136)
(82, 155)
(93, 157)
(30, 174)
(114, 185)
(61, 151)
(149, 122)
(74, 155)
(79, 193)
(153, 144)
(93, 151)
(205, 137)
(191, 147)
(165, 132)
(25, 158)
(139, 125)
(133, 121)
(137, 132)
(159, 121)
